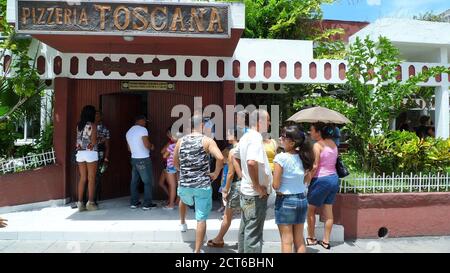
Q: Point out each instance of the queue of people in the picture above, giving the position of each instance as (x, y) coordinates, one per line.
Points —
(303, 176)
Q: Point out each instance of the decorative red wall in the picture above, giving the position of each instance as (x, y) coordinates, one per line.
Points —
(403, 214)
(33, 186)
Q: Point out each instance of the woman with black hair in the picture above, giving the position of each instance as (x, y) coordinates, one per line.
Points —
(325, 183)
(87, 156)
(291, 170)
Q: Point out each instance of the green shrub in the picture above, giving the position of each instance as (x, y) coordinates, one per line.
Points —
(397, 152)
(45, 141)
(7, 136)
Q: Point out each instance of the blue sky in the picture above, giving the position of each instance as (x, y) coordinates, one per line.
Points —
(370, 10)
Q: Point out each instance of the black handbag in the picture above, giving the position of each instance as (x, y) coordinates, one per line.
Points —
(341, 170)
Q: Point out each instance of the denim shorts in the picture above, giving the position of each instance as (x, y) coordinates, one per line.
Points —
(200, 198)
(291, 209)
(171, 170)
(323, 190)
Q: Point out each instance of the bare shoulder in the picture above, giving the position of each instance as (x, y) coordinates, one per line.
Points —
(178, 144)
(206, 141)
(330, 143)
(318, 146)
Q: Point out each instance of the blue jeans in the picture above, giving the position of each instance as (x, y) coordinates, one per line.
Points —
(141, 167)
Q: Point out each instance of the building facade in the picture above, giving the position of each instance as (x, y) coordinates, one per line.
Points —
(128, 58)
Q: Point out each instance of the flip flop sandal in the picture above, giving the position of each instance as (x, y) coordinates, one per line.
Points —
(211, 243)
(325, 245)
(308, 240)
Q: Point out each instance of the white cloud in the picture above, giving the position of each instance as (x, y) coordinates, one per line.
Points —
(374, 2)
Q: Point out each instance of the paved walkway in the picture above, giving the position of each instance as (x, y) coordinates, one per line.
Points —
(117, 228)
(115, 221)
(401, 245)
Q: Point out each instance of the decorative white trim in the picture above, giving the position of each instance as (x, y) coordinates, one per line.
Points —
(259, 57)
(259, 88)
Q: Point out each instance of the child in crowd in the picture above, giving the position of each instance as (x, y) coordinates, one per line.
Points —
(225, 153)
(163, 176)
(171, 171)
(230, 192)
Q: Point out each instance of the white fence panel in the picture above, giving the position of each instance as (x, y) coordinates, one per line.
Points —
(396, 183)
(28, 162)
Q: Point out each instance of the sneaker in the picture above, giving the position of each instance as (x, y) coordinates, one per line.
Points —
(135, 206)
(81, 206)
(183, 227)
(148, 207)
(90, 206)
(169, 208)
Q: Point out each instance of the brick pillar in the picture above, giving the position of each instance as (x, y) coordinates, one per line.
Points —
(60, 137)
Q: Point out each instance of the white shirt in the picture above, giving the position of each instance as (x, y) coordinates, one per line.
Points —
(251, 147)
(134, 139)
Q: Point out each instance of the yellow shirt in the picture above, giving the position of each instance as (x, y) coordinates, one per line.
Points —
(271, 150)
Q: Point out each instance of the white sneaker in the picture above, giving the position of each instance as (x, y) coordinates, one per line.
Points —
(91, 206)
(81, 206)
(183, 227)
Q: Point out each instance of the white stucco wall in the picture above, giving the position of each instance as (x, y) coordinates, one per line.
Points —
(407, 31)
(282, 49)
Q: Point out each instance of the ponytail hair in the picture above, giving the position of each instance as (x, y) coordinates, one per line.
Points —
(326, 130)
(303, 146)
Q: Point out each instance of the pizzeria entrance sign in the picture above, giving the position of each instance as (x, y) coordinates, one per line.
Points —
(123, 18)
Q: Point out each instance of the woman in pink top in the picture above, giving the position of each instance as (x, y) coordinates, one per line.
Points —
(325, 183)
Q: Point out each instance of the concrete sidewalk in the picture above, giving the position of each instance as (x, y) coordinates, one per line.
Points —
(403, 245)
(116, 222)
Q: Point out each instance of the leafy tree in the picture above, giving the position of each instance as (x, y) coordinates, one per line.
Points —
(374, 92)
(286, 19)
(430, 16)
(20, 83)
(282, 19)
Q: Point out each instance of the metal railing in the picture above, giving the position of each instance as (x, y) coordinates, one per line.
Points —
(28, 162)
(395, 183)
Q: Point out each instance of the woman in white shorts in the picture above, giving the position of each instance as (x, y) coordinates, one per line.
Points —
(87, 156)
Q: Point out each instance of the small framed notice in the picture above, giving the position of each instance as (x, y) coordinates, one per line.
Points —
(147, 86)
